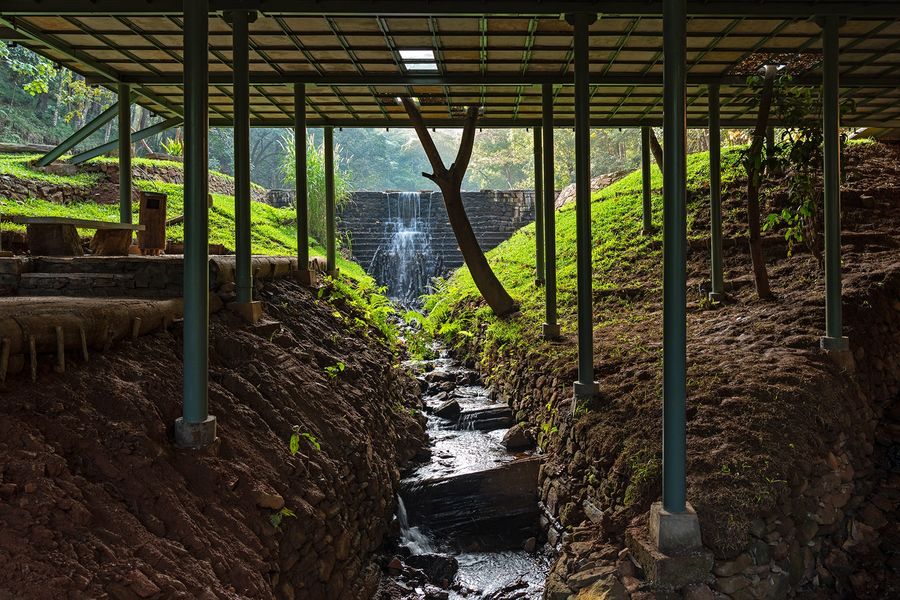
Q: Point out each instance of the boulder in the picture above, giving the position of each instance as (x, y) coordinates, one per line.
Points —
(439, 568)
(449, 410)
(518, 438)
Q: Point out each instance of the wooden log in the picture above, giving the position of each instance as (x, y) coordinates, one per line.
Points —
(111, 242)
(53, 239)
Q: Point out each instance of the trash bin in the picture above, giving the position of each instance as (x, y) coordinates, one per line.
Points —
(152, 240)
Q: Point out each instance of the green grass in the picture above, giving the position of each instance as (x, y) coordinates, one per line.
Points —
(621, 257)
(19, 166)
(273, 230)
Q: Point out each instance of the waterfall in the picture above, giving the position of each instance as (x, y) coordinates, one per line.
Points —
(412, 537)
(404, 262)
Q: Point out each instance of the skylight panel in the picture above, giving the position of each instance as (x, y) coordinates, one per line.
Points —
(417, 55)
(419, 60)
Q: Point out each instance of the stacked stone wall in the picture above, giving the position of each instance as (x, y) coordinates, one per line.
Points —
(495, 215)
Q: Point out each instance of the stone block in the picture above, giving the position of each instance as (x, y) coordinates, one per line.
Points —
(674, 533)
(195, 436)
(668, 572)
(251, 312)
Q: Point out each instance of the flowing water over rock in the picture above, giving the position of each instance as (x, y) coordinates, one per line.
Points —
(468, 515)
(406, 264)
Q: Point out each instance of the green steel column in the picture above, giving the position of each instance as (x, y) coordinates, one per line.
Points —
(330, 251)
(197, 427)
(301, 192)
(124, 105)
(674, 255)
(831, 154)
(243, 275)
(551, 327)
(717, 290)
(585, 387)
(646, 180)
(538, 209)
(79, 136)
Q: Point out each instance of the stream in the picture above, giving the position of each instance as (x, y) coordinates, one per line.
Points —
(468, 515)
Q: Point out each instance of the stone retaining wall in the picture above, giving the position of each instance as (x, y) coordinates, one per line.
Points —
(137, 277)
(495, 215)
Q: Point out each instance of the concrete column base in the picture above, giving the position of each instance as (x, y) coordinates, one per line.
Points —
(666, 572)
(551, 332)
(674, 534)
(307, 277)
(194, 436)
(835, 344)
(716, 296)
(335, 273)
(838, 350)
(586, 391)
(248, 311)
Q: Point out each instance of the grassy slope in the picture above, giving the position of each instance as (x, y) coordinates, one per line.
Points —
(622, 256)
(273, 231)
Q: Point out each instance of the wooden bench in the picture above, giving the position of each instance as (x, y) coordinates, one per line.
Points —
(58, 236)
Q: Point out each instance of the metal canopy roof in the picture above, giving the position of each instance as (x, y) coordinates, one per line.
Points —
(494, 53)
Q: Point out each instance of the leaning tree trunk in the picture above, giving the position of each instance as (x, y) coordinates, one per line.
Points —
(755, 166)
(657, 150)
(450, 181)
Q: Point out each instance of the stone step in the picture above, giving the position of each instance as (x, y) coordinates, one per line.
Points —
(486, 419)
(475, 501)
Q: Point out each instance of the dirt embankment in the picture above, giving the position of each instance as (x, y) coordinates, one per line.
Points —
(793, 464)
(95, 502)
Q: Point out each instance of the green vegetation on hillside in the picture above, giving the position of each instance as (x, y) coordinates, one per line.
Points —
(273, 231)
(622, 257)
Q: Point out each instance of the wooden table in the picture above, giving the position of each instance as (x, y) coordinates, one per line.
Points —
(58, 236)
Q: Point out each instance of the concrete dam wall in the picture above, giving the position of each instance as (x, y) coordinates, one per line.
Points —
(404, 239)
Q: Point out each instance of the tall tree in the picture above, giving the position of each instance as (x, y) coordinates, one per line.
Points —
(755, 165)
(450, 181)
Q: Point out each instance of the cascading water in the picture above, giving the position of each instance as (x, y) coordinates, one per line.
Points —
(412, 537)
(404, 263)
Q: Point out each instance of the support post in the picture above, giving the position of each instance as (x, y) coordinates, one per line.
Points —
(538, 209)
(79, 136)
(646, 180)
(585, 387)
(551, 327)
(124, 105)
(196, 428)
(834, 339)
(330, 247)
(243, 275)
(674, 527)
(135, 137)
(301, 194)
(717, 280)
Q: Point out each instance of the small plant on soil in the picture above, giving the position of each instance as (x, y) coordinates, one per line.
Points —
(277, 517)
(336, 369)
(296, 437)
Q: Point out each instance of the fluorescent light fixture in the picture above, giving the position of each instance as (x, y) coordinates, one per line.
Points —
(421, 66)
(417, 55)
(421, 60)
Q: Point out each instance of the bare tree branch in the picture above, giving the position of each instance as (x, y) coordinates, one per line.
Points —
(466, 143)
(431, 151)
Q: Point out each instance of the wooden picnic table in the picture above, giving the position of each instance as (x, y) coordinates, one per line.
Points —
(58, 236)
